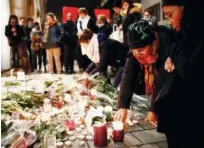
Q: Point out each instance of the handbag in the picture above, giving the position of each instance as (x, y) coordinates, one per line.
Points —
(117, 34)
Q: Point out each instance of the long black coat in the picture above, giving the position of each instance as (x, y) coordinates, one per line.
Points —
(112, 53)
(131, 79)
(70, 34)
(182, 105)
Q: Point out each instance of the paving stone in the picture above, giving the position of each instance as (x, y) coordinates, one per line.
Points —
(134, 128)
(130, 140)
(163, 145)
(149, 136)
(111, 144)
(146, 125)
(149, 146)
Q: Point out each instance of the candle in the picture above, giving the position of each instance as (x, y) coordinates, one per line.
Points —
(108, 111)
(21, 75)
(100, 135)
(118, 131)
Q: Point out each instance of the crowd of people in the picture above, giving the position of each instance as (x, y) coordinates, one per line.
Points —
(160, 60)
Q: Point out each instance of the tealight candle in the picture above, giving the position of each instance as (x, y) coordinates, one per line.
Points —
(21, 75)
(118, 131)
(100, 135)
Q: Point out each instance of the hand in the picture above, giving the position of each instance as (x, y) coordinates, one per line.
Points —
(121, 115)
(79, 34)
(152, 118)
(13, 29)
(14, 34)
(169, 65)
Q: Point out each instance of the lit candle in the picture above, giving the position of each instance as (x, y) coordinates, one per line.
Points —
(21, 75)
(100, 135)
(118, 131)
(108, 111)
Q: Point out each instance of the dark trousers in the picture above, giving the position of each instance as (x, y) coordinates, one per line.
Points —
(68, 58)
(30, 53)
(14, 57)
(185, 140)
(83, 60)
(38, 57)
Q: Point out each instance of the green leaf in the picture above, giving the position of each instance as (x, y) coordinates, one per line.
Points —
(3, 126)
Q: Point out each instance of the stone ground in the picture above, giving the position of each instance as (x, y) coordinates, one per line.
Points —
(142, 135)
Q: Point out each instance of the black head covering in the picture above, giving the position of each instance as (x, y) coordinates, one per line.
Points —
(140, 34)
(174, 2)
(117, 3)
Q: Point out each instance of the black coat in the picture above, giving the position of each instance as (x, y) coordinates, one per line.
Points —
(70, 33)
(184, 101)
(112, 53)
(14, 40)
(133, 77)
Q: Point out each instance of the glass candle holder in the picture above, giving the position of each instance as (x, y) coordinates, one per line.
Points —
(100, 135)
(118, 132)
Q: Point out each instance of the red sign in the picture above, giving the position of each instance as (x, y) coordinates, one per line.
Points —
(105, 12)
(72, 10)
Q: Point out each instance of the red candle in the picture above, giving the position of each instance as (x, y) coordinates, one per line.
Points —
(100, 135)
(118, 132)
(59, 105)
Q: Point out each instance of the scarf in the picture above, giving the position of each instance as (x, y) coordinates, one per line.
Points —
(82, 23)
(92, 49)
(147, 61)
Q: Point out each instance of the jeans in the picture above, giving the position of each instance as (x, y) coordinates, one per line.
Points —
(39, 56)
(14, 57)
(30, 53)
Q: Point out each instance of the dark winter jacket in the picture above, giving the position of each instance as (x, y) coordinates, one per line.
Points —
(112, 53)
(14, 40)
(104, 32)
(184, 98)
(70, 33)
(131, 80)
(53, 37)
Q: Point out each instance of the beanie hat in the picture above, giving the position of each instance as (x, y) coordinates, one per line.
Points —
(140, 34)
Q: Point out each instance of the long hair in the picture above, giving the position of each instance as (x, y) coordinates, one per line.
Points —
(13, 17)
(52, 15)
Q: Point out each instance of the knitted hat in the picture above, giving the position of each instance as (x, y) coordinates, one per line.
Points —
(140, 34)
(117, 3)
(174, 2)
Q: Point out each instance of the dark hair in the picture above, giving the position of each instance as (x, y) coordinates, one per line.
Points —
(149, 11)
(29, 19)
(13, 17)
(83, 10)
(36, 24)
(22, 18)
(86, 35)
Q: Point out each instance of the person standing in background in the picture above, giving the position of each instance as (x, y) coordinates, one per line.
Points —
(51, 43)
(36, 43)
(69, 39)
(28, 30)
(148, 16)
(84, 22)
(14, 32)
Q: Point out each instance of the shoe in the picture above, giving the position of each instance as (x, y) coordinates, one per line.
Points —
(39, 71)
(66, 72)
(71, 72)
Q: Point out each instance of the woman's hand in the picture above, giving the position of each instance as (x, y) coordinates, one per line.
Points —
(121, 115)
(152, 118)
(169, 65)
